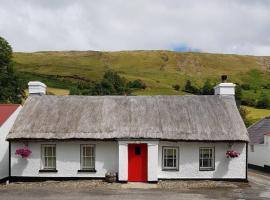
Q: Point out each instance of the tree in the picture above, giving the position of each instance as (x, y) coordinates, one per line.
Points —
(263, 102)
(207, 88)
(11, 89)
(111, 84)
(190, 88)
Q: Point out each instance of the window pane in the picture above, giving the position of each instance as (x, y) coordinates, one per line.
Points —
(206, 158)
(170, 158)
(49, 151)
(87, 157)
(49, 159)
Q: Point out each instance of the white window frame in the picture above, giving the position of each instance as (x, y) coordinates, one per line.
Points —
(43, 156)
(176, 154)
(207, 168)
(91, 156)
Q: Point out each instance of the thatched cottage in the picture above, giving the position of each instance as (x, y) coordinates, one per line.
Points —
(142, 138)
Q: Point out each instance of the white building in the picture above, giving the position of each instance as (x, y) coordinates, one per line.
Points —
(142, 138)
(8, 114)
(259, 151)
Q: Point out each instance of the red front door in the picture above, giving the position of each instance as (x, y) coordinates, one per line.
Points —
(137, 162)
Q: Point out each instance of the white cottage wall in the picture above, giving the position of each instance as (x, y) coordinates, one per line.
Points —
(260, 156)
(108, 156)
(4, 145)
(225, 168)
(67, 159)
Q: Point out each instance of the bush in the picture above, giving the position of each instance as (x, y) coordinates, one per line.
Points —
(176, 87)
(248, 102)
(207, 89)
(190, 88)
(245, 86)
(244, 112)
(137, 84)
(111, 84)
(238, 93)
(263, 102)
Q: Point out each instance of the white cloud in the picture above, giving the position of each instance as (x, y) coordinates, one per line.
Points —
(231, 26)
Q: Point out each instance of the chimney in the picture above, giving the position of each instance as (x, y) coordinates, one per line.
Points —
(36, 88)
(225, 89)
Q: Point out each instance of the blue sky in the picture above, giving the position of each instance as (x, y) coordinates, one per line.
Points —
(184, 48)
(215, 26)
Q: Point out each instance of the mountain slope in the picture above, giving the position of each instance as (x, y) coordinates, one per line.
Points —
(158, 69)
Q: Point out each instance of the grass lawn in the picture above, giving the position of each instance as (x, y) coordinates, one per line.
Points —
(256, 114)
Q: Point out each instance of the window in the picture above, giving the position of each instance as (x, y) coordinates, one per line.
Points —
(49, 156)
(252, 148)
(170, 158)
(207, 158)
(87, 157)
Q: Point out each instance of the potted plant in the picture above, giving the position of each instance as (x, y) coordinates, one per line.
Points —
(24, 152)
(111, 177)
(232, 154)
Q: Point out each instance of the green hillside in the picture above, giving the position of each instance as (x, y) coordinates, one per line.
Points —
(158, 69)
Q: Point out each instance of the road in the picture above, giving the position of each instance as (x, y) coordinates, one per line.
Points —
(258, 188)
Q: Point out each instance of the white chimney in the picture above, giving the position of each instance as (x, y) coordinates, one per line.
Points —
(36, 88)
(225, 89)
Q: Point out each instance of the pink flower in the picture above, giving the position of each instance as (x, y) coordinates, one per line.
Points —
(232, 154)
(23, 152)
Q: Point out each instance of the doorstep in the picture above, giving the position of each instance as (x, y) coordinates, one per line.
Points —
(139, 185)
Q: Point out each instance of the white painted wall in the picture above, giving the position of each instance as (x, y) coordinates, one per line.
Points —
(189, 161)
(108, 154)
(67, 159)
(260, 156)
(152, 160)
(4, 145)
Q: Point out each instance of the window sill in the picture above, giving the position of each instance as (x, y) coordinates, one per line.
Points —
(87, 170)
(175, 170)
(209, 169)
(48, 170)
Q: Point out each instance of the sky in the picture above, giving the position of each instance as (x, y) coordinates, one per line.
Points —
(215, 26)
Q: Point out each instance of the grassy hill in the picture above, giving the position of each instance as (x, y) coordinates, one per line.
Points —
(158, 69)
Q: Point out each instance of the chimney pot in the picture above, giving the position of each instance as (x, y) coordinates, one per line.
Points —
(36, 88)
(224, 78)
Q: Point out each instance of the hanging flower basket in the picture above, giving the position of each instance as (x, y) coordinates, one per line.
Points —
(23, 152)
(232, 154)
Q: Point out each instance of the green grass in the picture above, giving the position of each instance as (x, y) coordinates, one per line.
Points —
(255, 114)
(158, 69)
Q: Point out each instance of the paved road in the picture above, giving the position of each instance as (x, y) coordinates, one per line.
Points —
(258, 188)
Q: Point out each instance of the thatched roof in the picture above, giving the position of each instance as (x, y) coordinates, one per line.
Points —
(256, 131)
(198, 118)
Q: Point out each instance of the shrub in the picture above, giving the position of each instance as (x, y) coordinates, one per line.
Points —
(207, 89)
(244, 112)
(248, 102)
(176, 87)
(137, 84)
(245, 86)
(263, 101)
(190, 88)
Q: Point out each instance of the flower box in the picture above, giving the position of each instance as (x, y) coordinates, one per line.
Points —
(23, 152)
(232, 154)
